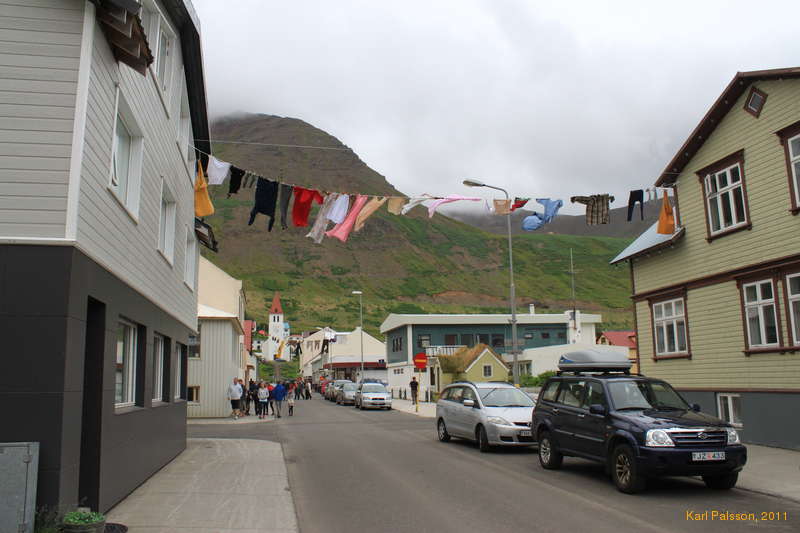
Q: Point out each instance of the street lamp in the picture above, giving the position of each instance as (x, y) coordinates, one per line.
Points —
(512, 288)
(361, 333)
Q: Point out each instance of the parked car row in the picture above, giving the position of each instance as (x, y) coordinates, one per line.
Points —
(364, 395)
(595, 409)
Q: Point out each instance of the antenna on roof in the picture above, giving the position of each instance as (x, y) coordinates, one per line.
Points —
(572, 273)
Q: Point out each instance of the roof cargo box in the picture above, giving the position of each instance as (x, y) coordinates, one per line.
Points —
(598, 359)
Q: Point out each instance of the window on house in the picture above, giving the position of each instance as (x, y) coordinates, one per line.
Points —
(562, 334)
(193, 394)
(190, 268)
(498, 340)
(181, 354)
(528, 336)
(160, 355)
(760, 313)
(725, 199)
(423, 341)
(546, 335)
(729, 408)
(161, 38)
(793, 148)
(793, 292)
(194, 344)
(125, 369)
(166, 233)
(397, 344)
(483, 338)
(669, 324)
(755, 101)
(450, 339)
(126, 157)
(467, 339)
(487, 371)
(185, 137)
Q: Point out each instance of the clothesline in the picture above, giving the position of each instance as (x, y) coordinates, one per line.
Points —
(278, 145)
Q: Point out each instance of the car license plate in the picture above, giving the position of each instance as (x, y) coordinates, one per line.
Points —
(525, 433)
(708, 456)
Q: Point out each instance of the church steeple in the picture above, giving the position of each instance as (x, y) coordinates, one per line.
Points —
(276, 308)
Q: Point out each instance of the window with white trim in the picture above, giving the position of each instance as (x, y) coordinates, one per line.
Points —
(161, 38)
(760, 313)
(725, 199)
(125, 368)
(194, 343)
(729, 408)
(181, 355)
(190, 268)
(193, 394)
(794, 163)
(127, 150)
(166, 232)
(669, 325)
(487, 371)
(793, 293)
(160, 355)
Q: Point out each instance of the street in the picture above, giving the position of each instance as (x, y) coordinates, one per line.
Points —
(353, 471)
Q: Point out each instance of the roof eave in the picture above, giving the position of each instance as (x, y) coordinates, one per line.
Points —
(655, 248)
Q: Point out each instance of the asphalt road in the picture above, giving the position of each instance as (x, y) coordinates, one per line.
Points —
(372, 471)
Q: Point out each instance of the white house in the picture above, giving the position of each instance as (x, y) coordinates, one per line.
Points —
(102, 104)
(545, 359)
(219, 355)
(277, 331)
(337, 355)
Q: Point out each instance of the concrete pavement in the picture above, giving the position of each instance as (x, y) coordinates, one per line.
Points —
(353, 470)
(214, 486)
(426, 410)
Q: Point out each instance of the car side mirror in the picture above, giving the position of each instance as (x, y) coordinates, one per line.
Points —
(598, 409)
(469, 403)
(696, 407)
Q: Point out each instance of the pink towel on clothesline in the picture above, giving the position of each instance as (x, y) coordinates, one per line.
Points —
(449, 199)
(342, 231)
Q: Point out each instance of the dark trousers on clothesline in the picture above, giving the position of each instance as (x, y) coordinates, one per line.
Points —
(636, 196)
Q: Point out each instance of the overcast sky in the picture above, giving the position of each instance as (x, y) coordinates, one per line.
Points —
(547, 99)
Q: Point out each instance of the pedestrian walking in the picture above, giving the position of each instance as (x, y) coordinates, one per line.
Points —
(263, 401)
(308, 390)
(271, 401)
(296, 386)
(291, 405)
(279, 393)
(234, 394)
(252, 396)
(414, 387)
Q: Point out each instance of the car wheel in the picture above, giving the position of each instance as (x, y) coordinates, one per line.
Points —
(722, 482)
(483, 439)
(441, 431)
(549, 457)
(625, 472)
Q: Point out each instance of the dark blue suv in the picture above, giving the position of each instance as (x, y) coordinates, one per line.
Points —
(638, 427)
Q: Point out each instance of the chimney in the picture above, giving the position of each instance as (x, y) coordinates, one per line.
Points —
(532, 309)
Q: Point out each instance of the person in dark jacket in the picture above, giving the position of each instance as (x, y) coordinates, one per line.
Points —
(279, 395)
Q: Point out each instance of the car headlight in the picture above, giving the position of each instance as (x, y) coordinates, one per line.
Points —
(733, 436)
(499, 420)
(658, 438)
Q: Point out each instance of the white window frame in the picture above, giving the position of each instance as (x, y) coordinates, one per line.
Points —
(725, 192)
(167, 221)
(159, 354)
(755, 110)
(726, 398)
(760, 304)
(159, 25)
(491, 371)
(128, 354)
(190, 260)
(178, 372)
(794, 317)
(189, 396)
(662, 321)
(794, 165)
(129, 197)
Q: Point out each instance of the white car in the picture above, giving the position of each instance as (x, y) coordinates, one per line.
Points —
(372, 395)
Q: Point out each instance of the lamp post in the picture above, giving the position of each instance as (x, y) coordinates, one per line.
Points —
(361, 328)
(512, 288)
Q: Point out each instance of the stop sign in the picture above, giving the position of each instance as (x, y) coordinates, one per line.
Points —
(420, 360)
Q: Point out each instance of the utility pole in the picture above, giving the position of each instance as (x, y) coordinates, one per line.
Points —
(572, 273)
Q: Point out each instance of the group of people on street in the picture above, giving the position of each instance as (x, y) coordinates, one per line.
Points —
(265, 397)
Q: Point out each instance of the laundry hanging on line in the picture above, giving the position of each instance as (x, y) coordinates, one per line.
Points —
(217, 171)
(236, 180)
(303, 199)
(519, 203)
(202, 202)
(597, 207)
(633, 198)
(265, 199)
(666, 219)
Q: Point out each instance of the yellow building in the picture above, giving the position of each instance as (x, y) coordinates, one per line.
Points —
(717, 303)
(476, 363)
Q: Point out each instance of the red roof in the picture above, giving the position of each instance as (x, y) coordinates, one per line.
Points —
(621, 338)
(248, 335)
(276, 308)
(356, 364)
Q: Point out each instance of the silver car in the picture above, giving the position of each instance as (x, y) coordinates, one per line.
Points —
(491, 414)
(347, 394)
(332, 390)
(372, 395)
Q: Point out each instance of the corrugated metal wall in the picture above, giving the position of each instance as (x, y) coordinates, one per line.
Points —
(214, 370)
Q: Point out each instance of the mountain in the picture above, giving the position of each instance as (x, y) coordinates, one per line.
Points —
(401, 263)
(567, 224)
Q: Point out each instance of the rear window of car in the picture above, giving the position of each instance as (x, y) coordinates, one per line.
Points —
(550, 391)
(373, 387)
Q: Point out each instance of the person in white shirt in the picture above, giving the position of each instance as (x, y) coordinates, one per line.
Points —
(235, 396)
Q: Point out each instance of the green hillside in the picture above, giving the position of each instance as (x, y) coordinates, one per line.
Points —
(403, 264)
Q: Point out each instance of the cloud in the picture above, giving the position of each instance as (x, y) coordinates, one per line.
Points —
(546, 99)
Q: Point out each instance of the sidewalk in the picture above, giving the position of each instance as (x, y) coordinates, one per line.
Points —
(773, 471)
(427, 410)
(228, 420)
(202, 491)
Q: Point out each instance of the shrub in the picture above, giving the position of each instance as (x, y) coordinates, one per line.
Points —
(535, 381)
(80, 518)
